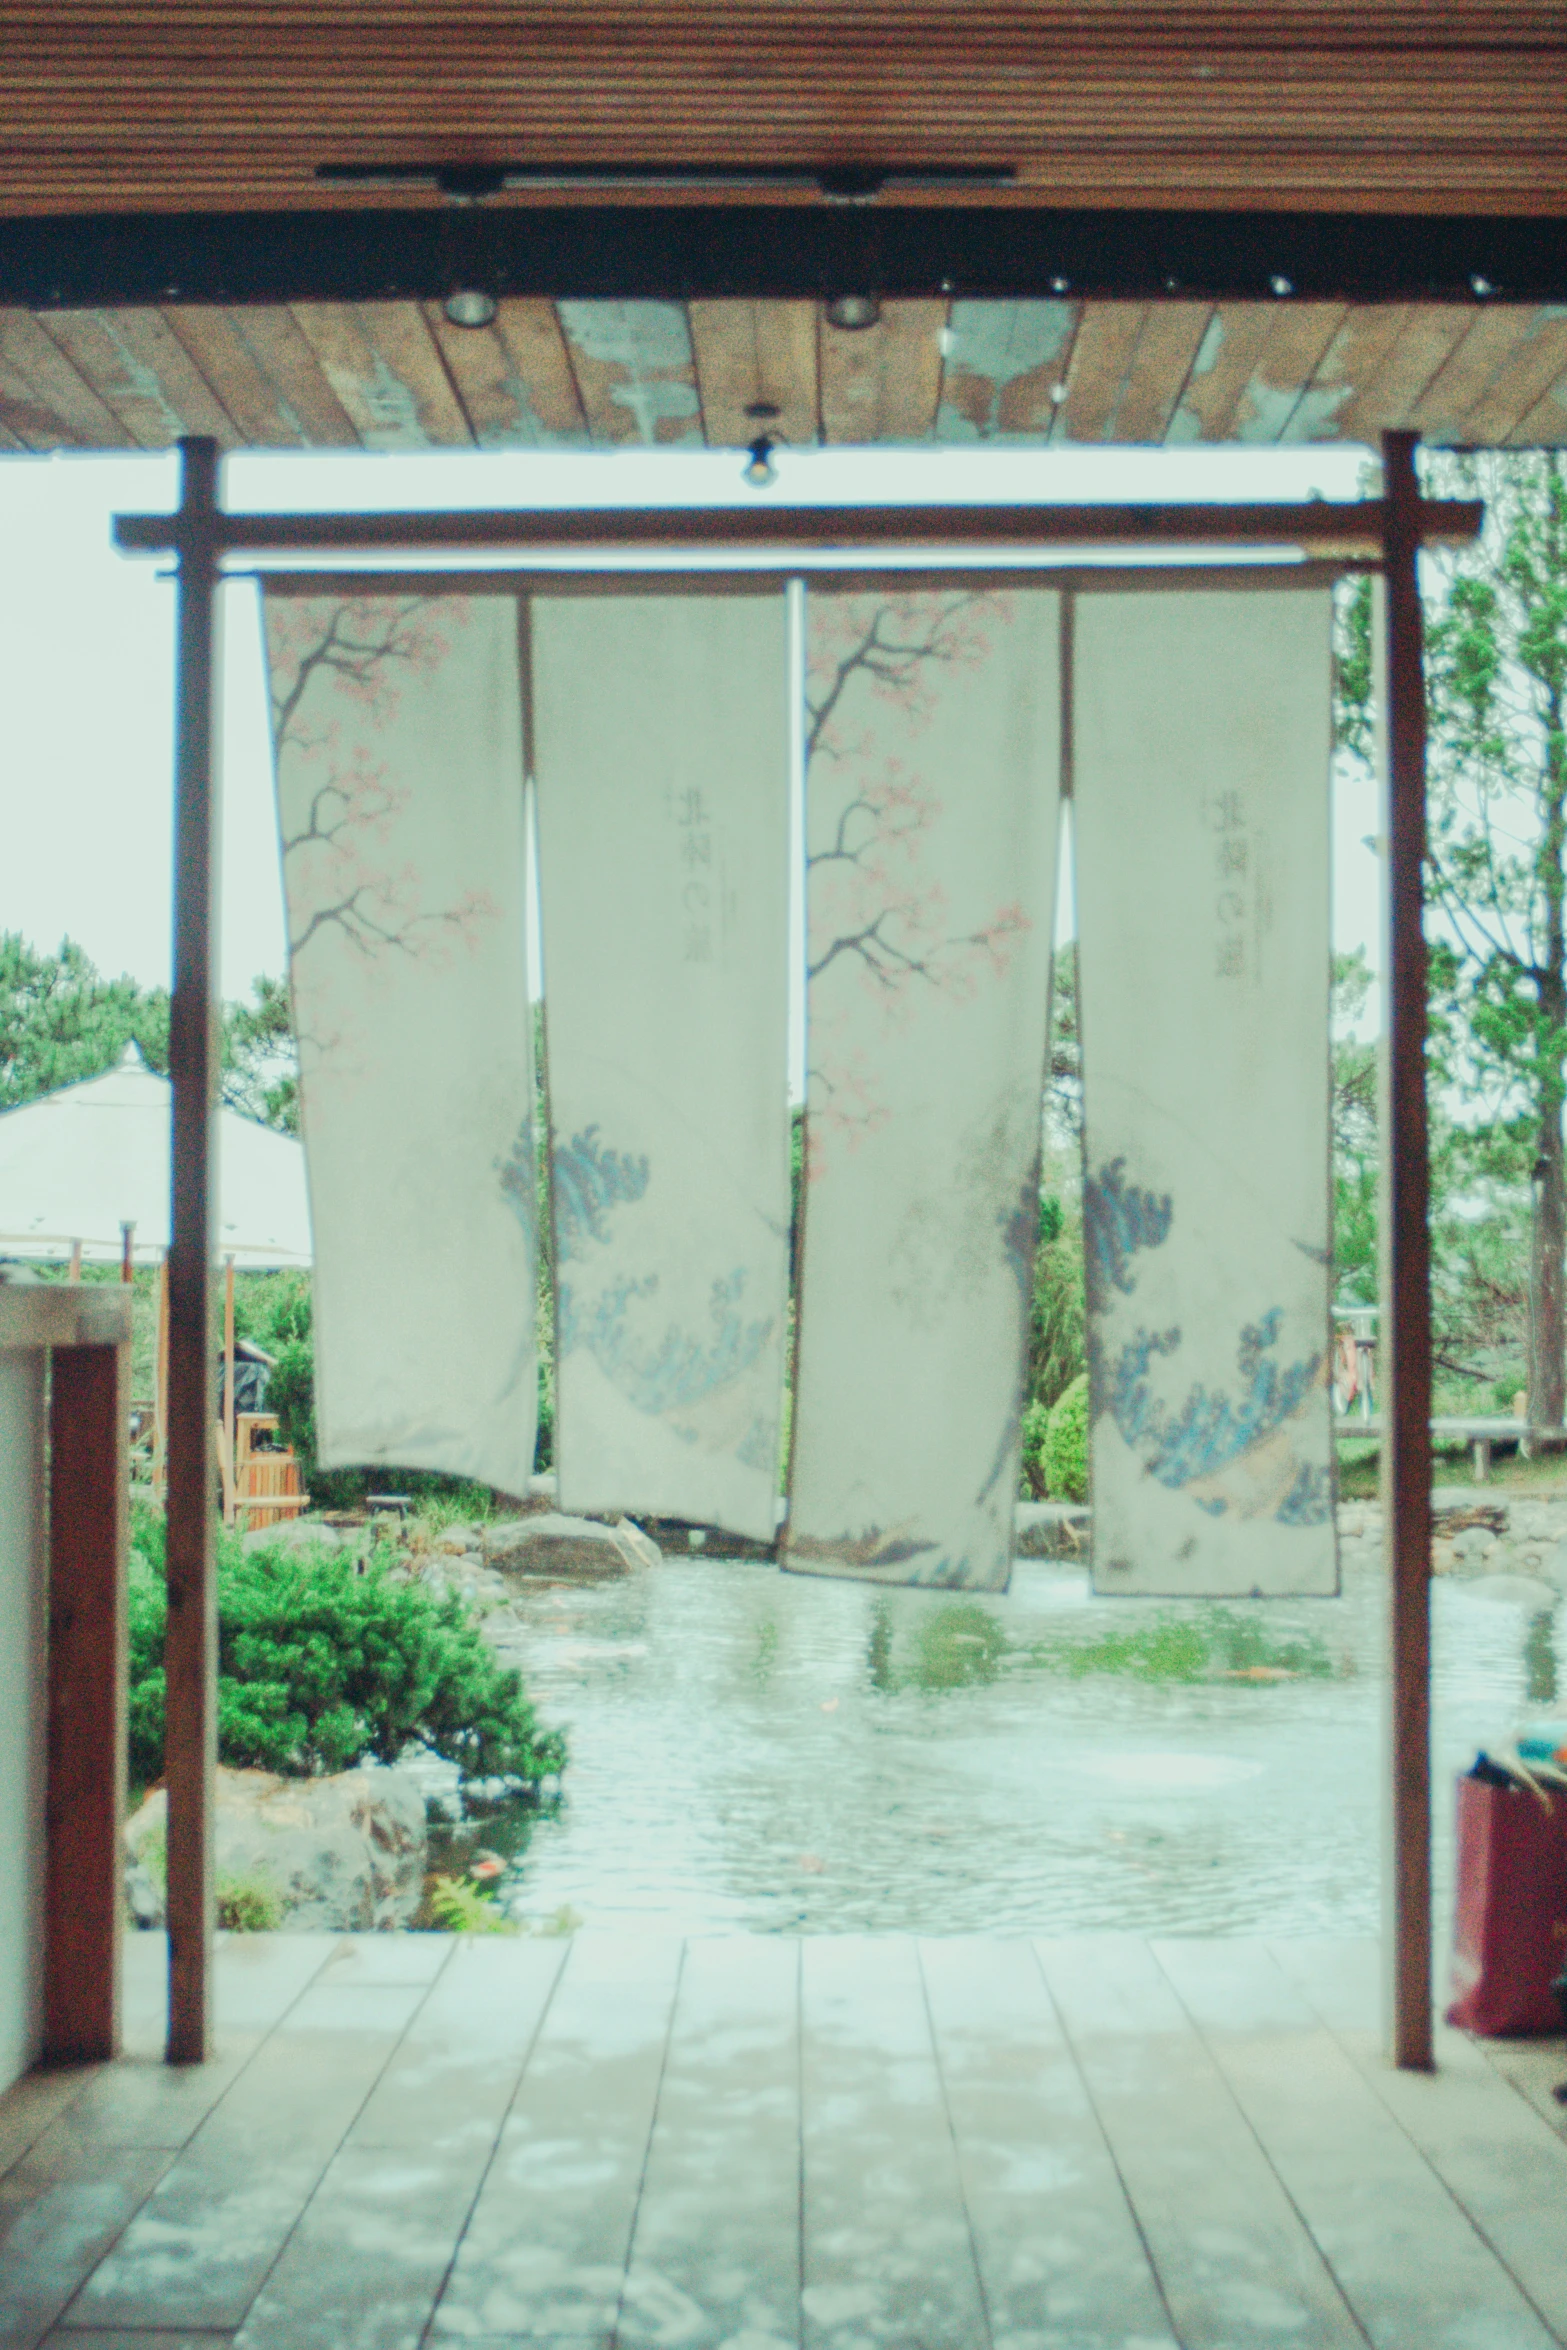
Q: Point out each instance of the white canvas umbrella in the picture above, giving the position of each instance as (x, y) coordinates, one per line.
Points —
(81, 1162)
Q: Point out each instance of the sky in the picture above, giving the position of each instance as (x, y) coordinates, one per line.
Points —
(86, 649)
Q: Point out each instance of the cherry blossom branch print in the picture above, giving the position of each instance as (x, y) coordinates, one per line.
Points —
(880, 917)
(339, 668)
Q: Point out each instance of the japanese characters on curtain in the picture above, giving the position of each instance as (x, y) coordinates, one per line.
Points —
(931, 821)
(397, 731)
(660, 750)
(1201, 750)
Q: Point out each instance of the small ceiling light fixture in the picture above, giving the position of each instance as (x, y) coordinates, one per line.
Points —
(852, 313)
(759, 471)
(1481, 286)
(468, 306)
(1282, 286)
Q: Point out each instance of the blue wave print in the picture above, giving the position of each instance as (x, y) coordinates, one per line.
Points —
(589, 1182)
(1209, 1431)
(1119, 1218)
(673, 1372)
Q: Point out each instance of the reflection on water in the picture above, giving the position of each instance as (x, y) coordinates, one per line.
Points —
(753, 1750)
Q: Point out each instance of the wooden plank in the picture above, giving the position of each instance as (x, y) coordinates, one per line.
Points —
(1355, 356)
(190, 1641)
(140, 2102)
(882, 382)
(1444, 408)
(716, 2252)
(218, 344)
(1534, 2070)
(385, 372)
(1059, 2252)
(1428, 333)
(1005, 365)
(513, 377)
(372, 1961)
(1298, 338)
(133, 2338)
(635, 371)
(750, 352)
(56, 2222)
(84, 1894)
(1171, 337)
(1100, 369)
(1404, 1351)
(1233, 2260)
(887, 2254)
(1537, 361)
(271, 334)
(200, 2251)
(35, 2103)
(44, 399)
(1505, 2164)
(370, 2254)
(545, 2251)
(1227, 359)
(1408, 2259)
(139, 370)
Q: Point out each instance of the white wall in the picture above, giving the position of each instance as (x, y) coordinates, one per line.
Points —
(23, 1636)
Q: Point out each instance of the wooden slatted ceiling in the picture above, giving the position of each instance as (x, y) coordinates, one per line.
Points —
(1444, 105)
(398, 375)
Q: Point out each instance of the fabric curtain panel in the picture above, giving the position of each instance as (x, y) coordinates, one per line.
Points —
(1202, 740)
(933, 734)
(660, 753)
(397, 730)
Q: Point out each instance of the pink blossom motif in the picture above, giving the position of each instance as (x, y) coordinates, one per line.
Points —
(880, 922)
(339, 667)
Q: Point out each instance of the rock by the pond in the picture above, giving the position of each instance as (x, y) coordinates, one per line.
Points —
(1521, 1590)
(1052, 1529)
(568, 1549)
(345, 1854)
(296, 1534)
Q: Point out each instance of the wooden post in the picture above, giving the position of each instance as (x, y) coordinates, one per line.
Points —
(229, 1464)
(128, 1252)
(1406, 1272)
(190, 1738)
(160, 1386)
(84, 1868)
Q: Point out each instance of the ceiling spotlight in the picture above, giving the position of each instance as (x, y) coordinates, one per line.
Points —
(759, 471)
(469, 307)
(852, 312)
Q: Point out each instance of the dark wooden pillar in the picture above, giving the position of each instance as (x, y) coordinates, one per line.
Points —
(84, 1897)
(1406, 1271)
(190, 1752)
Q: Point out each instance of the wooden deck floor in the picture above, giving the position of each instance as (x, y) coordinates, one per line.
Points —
(748, 2143)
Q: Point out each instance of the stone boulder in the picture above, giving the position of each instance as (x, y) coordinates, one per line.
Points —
(296, 1534)
(552, 1547)
(1052, 1530)
(344, 1855)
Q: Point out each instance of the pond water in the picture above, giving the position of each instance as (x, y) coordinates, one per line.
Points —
(757, 1751)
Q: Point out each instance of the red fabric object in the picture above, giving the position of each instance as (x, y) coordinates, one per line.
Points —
(1510, 1935)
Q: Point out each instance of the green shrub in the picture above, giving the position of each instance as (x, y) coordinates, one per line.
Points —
(1056, 1315)
(321, 1663)
(1066, 1444)
(1036, 1424)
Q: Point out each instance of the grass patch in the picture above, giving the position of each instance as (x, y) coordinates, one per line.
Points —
(1218, 1645)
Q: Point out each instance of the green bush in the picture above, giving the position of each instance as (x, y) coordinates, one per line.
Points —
(1066, 1444)
(322, 1663)
(1056, 1315)
(1036, 1423)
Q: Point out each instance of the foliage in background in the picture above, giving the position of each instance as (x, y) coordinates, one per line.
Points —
(61, 1021)
(1066, 1444)
(322, 1662)
(1496, 634)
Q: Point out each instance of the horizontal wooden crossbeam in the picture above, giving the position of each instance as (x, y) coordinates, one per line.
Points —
(1354, 532)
